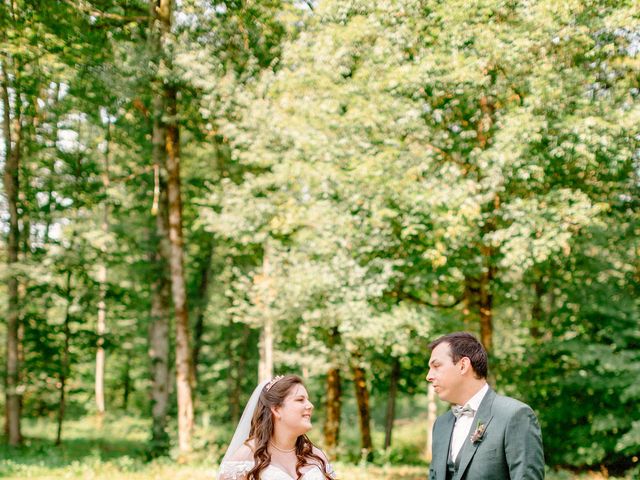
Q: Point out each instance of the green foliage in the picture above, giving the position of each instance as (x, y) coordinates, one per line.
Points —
(118, 451)
(353, 171)
(589, 354)
(401, 149)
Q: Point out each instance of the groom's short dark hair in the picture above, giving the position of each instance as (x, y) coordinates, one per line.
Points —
(463, 344)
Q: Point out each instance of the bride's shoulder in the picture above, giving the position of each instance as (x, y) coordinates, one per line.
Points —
(238, 465)
(317, 451)
(234, 470)
(327, 464)
(244, 453)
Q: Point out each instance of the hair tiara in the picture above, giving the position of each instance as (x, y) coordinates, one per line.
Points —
(273, 381)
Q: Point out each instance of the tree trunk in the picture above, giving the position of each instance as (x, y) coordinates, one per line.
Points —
(334, 398)
(364, 411)
(483, 128)
(235, 381)
(479, 299)
(535, 330)
(160, 30)
(159, 356)
(159, 352)
(64, 364)
(102, 286)
(52, 168)
(471, 295)
(334, 407)
(486, 308)
(12, 149)
(479, 286)
(265, 368)
(100, 353)
(201, 306)
(126, 381)
(266, 350)
(431, 420)
(159, 344)
(391, 401)
(178, 287)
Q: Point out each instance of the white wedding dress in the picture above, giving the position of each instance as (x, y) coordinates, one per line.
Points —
(237, 470)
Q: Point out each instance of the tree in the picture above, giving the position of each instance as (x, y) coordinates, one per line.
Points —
(463, 165)
(161, 23)
(12, 129)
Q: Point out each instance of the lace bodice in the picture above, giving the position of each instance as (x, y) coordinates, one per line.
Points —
(239, 470)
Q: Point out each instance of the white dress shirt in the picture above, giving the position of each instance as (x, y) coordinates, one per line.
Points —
(462, 427)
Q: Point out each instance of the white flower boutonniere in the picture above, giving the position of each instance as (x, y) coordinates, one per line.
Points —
(479, 433)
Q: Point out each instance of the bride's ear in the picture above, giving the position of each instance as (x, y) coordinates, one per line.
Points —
(275, 412)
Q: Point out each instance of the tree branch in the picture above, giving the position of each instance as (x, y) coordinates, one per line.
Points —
(86, 7)
(415, 299)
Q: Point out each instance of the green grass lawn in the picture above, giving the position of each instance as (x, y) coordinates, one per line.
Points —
(117, 451)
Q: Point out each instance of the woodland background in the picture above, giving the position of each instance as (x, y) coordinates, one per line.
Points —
(200, 194)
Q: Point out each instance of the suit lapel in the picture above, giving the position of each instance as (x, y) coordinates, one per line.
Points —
(443, 455)
(483, 417)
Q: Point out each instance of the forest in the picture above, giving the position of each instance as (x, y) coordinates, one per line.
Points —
(198, 195)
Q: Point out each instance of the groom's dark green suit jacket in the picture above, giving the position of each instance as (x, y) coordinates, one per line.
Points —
(510, 448)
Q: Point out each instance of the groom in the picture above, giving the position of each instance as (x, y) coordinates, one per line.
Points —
(485, 436)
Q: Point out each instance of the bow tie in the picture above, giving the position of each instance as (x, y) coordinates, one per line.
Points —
(459, 411)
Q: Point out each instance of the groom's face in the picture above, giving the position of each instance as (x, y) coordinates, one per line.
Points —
(446, 376)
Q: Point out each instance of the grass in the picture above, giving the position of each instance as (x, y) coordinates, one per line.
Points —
(117, 450)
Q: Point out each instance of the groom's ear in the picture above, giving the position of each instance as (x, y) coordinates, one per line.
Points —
(465, 365)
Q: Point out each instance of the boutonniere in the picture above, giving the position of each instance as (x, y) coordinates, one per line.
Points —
(479, 433)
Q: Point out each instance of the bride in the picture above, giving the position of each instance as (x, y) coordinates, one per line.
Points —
(270, 441)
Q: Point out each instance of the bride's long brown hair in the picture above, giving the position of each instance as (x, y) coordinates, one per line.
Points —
(262, 430)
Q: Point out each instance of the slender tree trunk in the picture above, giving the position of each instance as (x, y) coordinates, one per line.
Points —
(159, 355)
(485, 304)
(178, 287)
(266, 350)
(391, 401)
(486, 308)
(64, 366)
(100, 353)
(102, 285)
(126, 381)
(479, 299)
(535, 330)
(485, 122)
(265, 369)
(471, 295)
(334, 398)
(12, 189)
(6, 133)
(159, 345)
(364, 411)
(232, 379)
(29, 129)
(334, 407)
(52, 168)
(25, 230)
(237, 352)
(201, 307)
(161, 11)
(431, 420)
(479, 286)
(489, 273)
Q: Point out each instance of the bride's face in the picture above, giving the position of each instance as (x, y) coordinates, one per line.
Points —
(295, 412)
